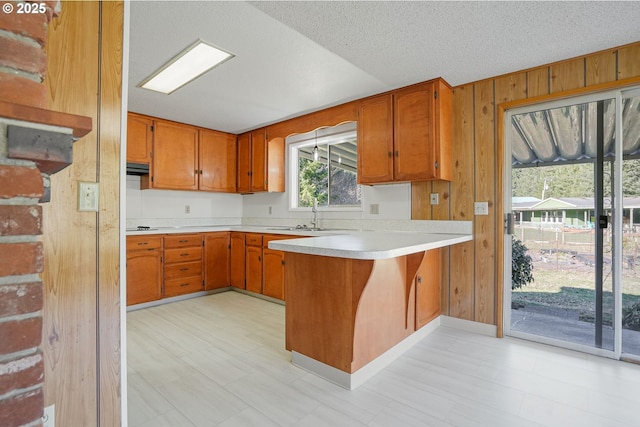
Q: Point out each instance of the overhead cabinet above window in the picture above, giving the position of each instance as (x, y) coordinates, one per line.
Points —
(405, 135)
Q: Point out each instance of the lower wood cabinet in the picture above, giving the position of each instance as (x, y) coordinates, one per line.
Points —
(216, 260)
(273, 268)
(237, 262)
(428, 288)
(182, 264)
(144, 269)
(253, 260)
(170, 265)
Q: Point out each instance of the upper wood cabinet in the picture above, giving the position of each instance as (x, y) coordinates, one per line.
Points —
(260, 162)
(406, 135)
(375, 140)
(217, 157)
(186, 157)
(139, 138)
(175, 156)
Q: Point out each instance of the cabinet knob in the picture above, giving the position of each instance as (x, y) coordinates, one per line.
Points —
(419, 279)
(390, 154)
(436, 164)
(397, 153)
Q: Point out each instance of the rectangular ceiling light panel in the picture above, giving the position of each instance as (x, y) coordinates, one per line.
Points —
(188, 65)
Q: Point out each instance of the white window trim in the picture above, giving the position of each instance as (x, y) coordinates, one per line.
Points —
(310, 138)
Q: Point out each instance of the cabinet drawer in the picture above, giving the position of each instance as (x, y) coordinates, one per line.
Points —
(253, 239)
(182, 254)
(183, 269)
(182, 286)
(136, 243)
(182, 240)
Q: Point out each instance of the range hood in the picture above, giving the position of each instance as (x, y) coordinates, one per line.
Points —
(137, 169)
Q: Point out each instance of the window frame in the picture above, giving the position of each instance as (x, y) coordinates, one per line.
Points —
(322, 136)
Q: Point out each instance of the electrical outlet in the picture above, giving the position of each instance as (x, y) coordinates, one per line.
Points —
(481, 208)
(434, 199)
(374, 208)
(187, 209)
(49, 417)
(88, 196)
(270, 210)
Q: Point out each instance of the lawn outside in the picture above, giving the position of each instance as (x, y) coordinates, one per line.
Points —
(564, 273)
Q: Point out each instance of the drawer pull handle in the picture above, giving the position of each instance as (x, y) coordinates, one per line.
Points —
(184, 284)
(184, 269)
(184, 254)
(183, 241)
(143, 243)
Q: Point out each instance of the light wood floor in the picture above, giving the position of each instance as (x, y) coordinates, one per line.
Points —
(219, 360)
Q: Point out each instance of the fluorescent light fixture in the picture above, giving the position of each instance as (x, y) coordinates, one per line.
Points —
(186, 66)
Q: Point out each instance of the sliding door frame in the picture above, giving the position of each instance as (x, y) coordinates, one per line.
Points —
(502, 294)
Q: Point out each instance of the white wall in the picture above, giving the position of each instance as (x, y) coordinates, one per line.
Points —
(170, 204)
(394, 202)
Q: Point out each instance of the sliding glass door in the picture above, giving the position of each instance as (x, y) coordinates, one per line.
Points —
(571, 188)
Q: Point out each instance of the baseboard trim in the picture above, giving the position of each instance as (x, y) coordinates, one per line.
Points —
(468, 325)
(356, 379)
(175, 299)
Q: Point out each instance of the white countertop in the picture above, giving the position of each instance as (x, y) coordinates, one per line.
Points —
(242, 228)
(340, 243)
(369, 244)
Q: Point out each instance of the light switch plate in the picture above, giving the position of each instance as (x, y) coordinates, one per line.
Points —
(481, 208)
(434, 199)
(374, 209)
(49, 417)
(88, 196)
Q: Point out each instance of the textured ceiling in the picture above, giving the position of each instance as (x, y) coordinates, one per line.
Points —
(296, 57)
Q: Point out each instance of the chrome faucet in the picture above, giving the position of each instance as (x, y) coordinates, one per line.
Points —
(314, 209)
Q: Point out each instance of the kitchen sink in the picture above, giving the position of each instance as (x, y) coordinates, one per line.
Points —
(306, 229)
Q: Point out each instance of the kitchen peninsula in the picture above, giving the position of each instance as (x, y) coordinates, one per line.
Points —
(354, 301)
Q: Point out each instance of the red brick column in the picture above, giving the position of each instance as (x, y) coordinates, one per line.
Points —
(23, 61)
(22, 53)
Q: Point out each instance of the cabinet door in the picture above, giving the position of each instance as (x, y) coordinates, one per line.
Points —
(258, 160)
(273, 273)
(275, 165)
(254, 268)
(217, 161)
(375, 140)
(237, 265)
(216, 260)
(244, 163)
(139, 138)
(175, 156)
(144, 276)
(428, 288)
(414, 127)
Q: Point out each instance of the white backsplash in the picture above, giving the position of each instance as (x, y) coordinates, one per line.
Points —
(159, 208)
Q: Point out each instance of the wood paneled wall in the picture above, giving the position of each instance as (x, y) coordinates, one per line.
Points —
(473, 270)
(81, 332)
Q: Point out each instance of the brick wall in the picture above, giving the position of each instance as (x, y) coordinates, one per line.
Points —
(23, 60)
(22, 68)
